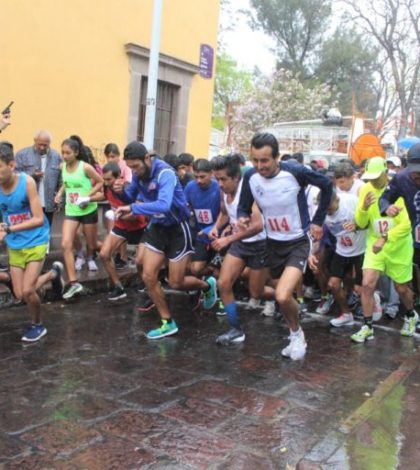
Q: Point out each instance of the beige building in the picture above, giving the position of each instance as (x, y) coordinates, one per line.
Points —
(80, 67)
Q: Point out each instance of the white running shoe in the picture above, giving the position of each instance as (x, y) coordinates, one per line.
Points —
(325, 305)
(377, 307)
(92, 266)
(296, 349)
(80, 262)
(345, 319)
(269, 309)
(253, 303)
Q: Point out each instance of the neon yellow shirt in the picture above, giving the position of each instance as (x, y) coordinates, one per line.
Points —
(398, 228)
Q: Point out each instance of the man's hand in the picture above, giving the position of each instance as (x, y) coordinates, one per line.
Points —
(393, 210)
(378, 245)
(122, 210)
(213, 234)
(349, 226)
(118, 185)
(220, 243)
(57, 198)
(369, 200)
(315, 231)
(313, 262)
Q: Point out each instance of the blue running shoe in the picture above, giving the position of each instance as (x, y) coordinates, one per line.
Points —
(34, 333)
(210, 296)
(167, 328)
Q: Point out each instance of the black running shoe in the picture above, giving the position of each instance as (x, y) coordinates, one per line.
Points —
(117, 293)
(233, 336)
(145, 304)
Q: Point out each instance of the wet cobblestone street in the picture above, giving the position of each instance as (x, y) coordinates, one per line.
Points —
(95, 394)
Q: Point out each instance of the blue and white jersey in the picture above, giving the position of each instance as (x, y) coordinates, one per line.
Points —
(232, 212)
(162, 197)
(205, 203)
(282, 200)
(15, 209)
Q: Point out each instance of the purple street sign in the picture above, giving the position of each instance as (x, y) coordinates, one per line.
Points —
(206, 61)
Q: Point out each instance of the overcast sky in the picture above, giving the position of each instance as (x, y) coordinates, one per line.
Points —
(250, 48)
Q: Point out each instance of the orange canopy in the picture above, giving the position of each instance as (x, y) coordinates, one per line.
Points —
(364, 147)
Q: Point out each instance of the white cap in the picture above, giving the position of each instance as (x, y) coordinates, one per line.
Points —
(396, 161)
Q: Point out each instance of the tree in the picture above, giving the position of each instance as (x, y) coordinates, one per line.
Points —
(395, 27)
(297, 26)
(280, 97)
(232, 84)
(349, 63)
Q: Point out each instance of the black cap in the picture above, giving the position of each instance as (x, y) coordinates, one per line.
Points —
(413, 158)
(135, 150)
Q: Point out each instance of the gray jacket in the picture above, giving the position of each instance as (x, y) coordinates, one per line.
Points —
(28, 160)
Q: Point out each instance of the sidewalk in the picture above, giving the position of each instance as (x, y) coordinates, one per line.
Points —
(96, 394)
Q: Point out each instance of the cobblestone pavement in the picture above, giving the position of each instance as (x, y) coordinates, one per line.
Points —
(95, 394)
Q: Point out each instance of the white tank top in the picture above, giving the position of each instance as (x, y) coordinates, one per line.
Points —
(232, 211)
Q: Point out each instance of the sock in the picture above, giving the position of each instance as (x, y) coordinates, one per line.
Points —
(119, 285)
(90, 258)
(166, 320)
(410, 313)
(368, 322)
(232, 315)
(79, 254)
(296, 333)
(300, 300)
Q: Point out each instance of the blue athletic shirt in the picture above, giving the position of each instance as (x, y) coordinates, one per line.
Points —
(282, 200)
(15, 209)
(205, 204)
(162, 197)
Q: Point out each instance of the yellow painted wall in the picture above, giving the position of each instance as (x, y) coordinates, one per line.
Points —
(63, 63)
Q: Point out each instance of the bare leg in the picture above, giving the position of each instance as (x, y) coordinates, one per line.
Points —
(284, 295)
(70, 228)
(109, 247)
(30, 277)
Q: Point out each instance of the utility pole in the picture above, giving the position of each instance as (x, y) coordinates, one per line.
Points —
(149, 127)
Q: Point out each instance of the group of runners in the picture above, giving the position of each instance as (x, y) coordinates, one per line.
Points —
(335, 233)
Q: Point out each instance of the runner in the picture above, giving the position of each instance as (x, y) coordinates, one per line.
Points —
(127, 229)
(346, 180)
(247, 246)
(26, 232)
(389, 248)
(77, 176)
(167, 237)
(278, 189)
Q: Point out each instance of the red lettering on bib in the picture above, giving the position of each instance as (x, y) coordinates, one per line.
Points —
(73, 197)
(204, 216)
(279, 224)
(16, 219)
(346, 241)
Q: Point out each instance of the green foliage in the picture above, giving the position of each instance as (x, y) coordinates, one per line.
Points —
(348, 62)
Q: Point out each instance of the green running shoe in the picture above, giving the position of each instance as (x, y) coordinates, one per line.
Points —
(167, 328)
(409, 327)
(365, 333)
(220, 309)
(210, 296)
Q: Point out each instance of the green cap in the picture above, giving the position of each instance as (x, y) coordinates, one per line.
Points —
(374, 168)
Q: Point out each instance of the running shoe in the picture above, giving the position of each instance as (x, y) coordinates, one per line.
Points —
(364, 334)
(58, 281)
(221, 309)
(409, 326)
(72, 290)
(145, 304)
(377, 307)
(353, 300)
(34, 333)
(167, 328)
(345, 319)
(253, 303)
(303, 307)
(296, 349)
(269, 308)
(120, 264)
(392, 311)
(233, 336)
(92, 266)
(117, 292)
(325, 305)
(210, 296)
(4, 267)
(312, 293)
(79, 263)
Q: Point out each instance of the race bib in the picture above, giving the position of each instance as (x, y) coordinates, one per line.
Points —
(382, 226)
(16, 219)
(346, 241)
(279, 224)
(72, 198)
(203, 216)
(417, 233)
